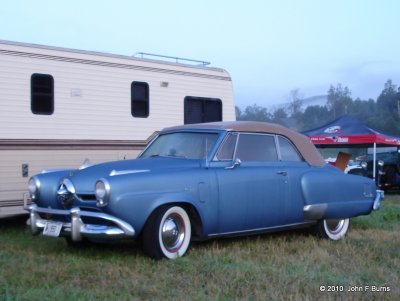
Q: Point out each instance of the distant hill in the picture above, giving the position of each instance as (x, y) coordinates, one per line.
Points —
(317, 100)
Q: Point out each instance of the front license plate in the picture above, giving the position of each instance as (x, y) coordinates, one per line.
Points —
(52, 229)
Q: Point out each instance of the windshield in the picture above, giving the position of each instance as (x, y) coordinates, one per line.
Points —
(183, 145)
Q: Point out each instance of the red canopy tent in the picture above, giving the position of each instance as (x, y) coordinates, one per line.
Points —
(348, 131)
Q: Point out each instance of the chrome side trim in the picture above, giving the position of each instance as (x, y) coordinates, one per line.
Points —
(125, 172)
(77, 229)
(314, 212)
(53, 170)
(261, 230)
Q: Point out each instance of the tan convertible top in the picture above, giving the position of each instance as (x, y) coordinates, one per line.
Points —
(303, 143)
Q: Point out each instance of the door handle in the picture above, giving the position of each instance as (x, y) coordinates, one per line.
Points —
(282, 173)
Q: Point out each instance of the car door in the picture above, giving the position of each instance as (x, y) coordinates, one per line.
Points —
(295, 167)
(252, 183)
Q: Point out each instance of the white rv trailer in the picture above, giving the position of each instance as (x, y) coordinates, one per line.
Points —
(61, 106)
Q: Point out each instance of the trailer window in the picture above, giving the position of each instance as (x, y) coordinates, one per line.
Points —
(202, 109)
(140, 99)
(42, 94)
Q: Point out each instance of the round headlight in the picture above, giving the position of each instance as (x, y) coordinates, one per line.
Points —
(102, 191)
(34, 187)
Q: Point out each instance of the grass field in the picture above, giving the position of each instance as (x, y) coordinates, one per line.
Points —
(284, 266)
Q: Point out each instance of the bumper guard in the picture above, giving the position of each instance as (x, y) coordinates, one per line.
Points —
(77, 229)
(380, 194)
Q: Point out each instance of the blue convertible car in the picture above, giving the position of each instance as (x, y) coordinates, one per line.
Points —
(202, 181)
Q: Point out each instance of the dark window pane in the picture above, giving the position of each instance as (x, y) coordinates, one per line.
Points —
(193, 111)
(253, 147)
(202, 109)
(288, 151)
(212, 111)
(42, 94)
(140, 99)
(228, 148)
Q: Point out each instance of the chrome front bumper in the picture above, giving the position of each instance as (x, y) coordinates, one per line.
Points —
(77, 229)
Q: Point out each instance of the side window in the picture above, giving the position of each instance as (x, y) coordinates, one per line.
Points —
(227, 150)
(42, 94)
(140, 99)
(287, 150)
(256, 147)
(202, 109)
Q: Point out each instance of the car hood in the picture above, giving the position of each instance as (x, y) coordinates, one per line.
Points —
(85, 178)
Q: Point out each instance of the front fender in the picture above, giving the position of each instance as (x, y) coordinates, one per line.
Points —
(136, 209)
(134, 197)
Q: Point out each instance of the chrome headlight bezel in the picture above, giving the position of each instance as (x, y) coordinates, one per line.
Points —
(34, 188)
(102, 192)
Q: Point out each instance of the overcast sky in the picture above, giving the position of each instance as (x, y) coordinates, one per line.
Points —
(268, 47)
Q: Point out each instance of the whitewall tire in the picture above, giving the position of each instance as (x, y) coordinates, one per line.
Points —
(167, 233)
(333, 229)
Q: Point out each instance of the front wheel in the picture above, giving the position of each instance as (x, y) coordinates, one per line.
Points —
(333, 229)
(167, 233)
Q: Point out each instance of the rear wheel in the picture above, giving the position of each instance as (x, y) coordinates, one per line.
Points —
(333, 229)
(167, 233)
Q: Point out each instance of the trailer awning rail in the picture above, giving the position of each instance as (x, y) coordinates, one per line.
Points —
(174, 58)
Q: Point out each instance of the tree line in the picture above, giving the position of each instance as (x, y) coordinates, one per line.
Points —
(382, 114)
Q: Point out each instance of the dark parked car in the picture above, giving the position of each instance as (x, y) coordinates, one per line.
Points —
(202, 181)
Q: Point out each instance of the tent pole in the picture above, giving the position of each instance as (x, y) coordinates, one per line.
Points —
(374, 162)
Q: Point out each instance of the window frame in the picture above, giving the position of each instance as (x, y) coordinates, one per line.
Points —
(238, 134)
(145, 100)
(227, 136)
(256, 134)
(204, 101)
(39, 96)
(276, 141)
(301, 158)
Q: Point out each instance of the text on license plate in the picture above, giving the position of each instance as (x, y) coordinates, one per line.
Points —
(52, 229)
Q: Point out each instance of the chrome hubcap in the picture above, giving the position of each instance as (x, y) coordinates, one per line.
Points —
(173, 233)
(334, 225)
